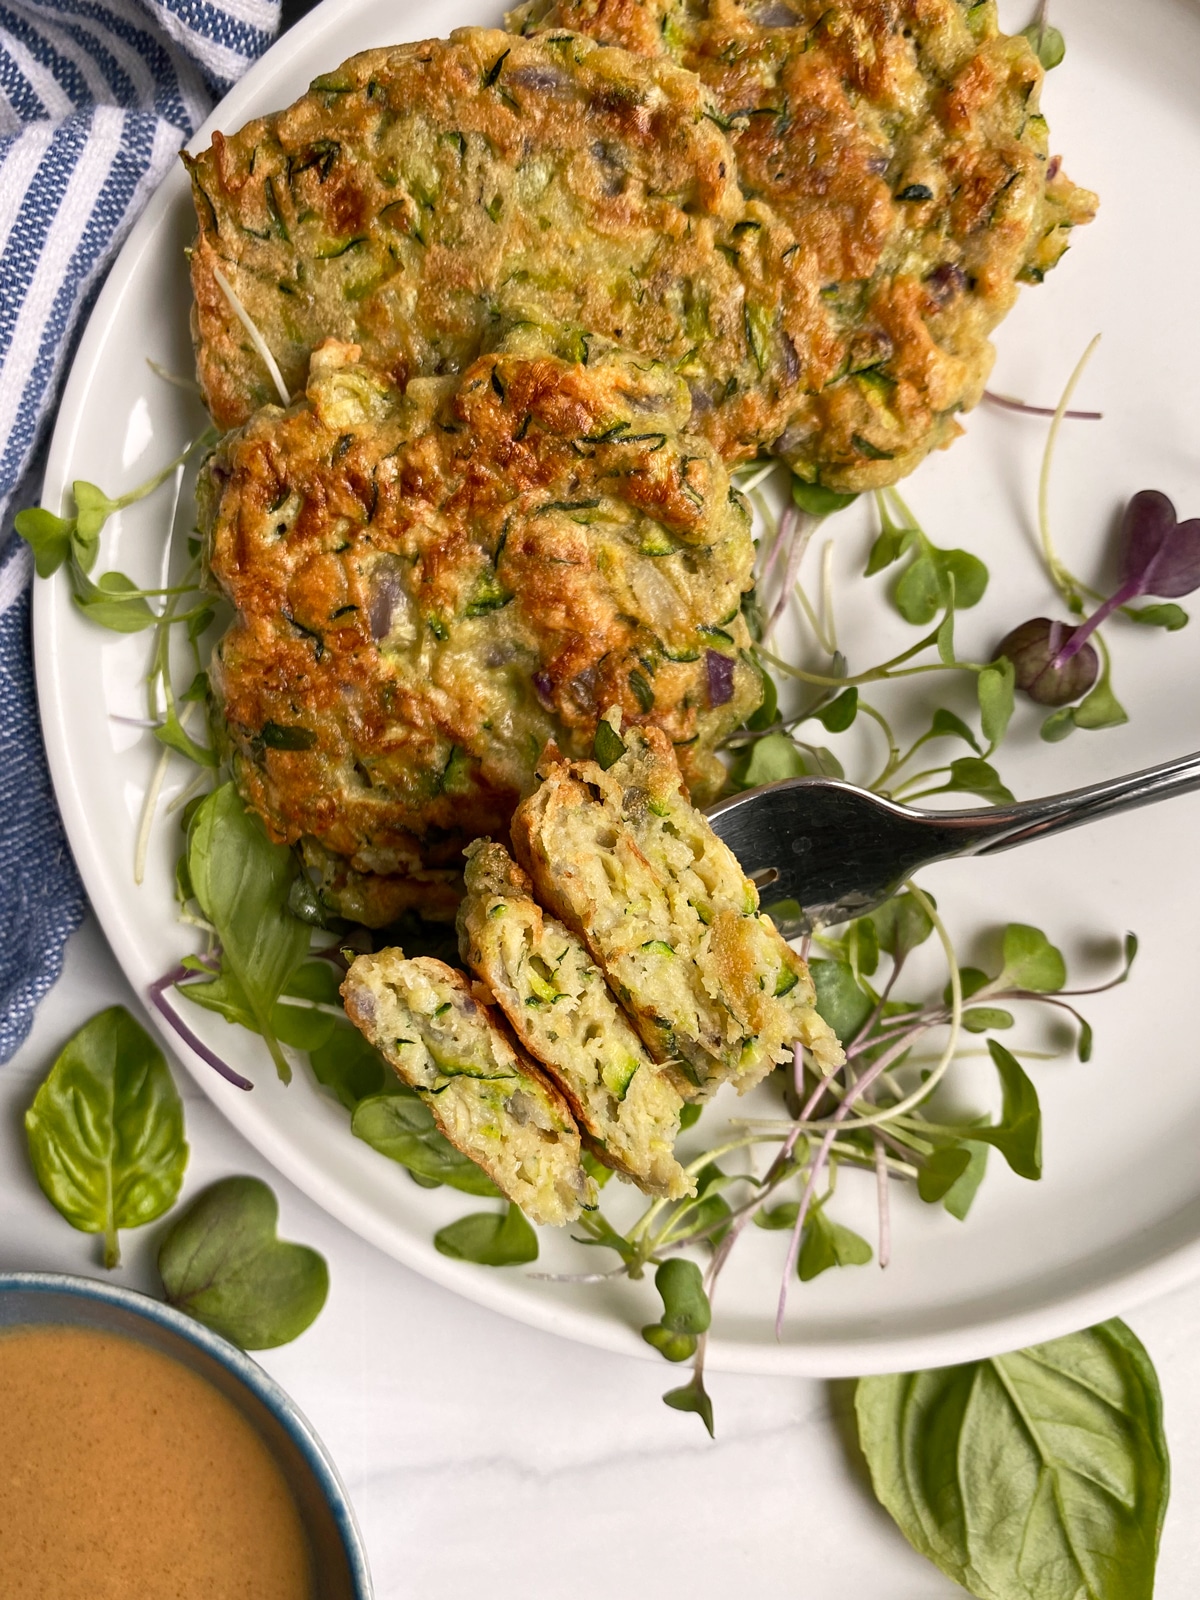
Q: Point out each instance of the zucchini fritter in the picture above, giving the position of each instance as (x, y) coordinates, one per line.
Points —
(560, 1008)
(488, 1099)
(635, 872)
(431, 584)
(901, 144)
(419, 200)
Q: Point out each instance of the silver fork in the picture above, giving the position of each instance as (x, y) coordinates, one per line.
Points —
(822, 852)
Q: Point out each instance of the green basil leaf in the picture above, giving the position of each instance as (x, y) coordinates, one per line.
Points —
(817, 500)
(692, 1397)
(350, 1068)
(489, 1238)
(996, 690)
(1018, 1136)
(1041, 1475)
(1031, 961)
(828, 1244)
(241, 881)
(223, 1264)
(48, 536)
(105, 1130)
(402, 1128)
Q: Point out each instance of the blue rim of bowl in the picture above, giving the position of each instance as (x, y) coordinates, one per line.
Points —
(277, 1400)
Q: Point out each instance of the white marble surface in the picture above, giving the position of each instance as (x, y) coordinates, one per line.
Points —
(485, 1457)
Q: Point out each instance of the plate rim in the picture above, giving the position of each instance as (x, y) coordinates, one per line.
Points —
(985, 1335)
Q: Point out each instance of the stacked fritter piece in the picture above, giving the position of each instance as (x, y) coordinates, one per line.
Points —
(632, 964)
(431, 583)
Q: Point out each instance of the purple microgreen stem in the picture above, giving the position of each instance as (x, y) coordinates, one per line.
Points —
(158, 999)
(884, 1203)
(1007, 403)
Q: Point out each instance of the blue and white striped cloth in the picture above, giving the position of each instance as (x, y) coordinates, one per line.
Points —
(96, 97)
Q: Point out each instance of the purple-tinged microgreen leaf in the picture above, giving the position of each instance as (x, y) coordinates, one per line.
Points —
(693, 1397)
(995, 688)
(1036, 651)
(1158, 553)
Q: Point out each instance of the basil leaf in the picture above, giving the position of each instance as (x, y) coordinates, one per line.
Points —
(241, 881)
(489, 1238)
(105, 1130)
(350, 1068)
(1041, 1475)
(401, 1127)
(223, 1264)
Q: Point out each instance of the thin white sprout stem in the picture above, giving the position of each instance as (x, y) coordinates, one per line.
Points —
(749, 484)
(149, 807)
(256, 338)
(1058, 572)
(174, 378)
(830, 639)
(184, 795)
(885, 1204)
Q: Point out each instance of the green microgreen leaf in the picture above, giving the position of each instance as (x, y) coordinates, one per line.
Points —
(946, 725)
(692, 1397)
(686, 1311)
(401, 1127)
(489, 1239)
(839, 714)
(828, 1244)
(115, 602)
(941, 1172)
(1170, 617)
(902, 924)
(1018, 1136)
(1101, 709)
(770, 760)
(1049, 46)
(768, 709)
(817, 500)
(105, 1130)
(981, 1019)
(223, 1263)
(1031, 961)
(970, 775)
(996, 688)
(1041, 1475)
(48, 536)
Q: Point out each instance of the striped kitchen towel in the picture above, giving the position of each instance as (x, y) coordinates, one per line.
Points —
(96, 97)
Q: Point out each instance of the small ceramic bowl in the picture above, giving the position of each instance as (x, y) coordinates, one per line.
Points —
(33, 1299)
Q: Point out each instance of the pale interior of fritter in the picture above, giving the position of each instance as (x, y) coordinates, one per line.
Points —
(560, 1007)
(668, 912)
(491, 1105)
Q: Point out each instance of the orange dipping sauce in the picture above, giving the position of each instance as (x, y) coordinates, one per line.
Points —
(126, 1476)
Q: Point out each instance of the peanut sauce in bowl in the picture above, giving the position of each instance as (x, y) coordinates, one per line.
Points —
(141, 1454)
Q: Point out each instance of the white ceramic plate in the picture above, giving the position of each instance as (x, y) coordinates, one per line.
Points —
(1117, 1216)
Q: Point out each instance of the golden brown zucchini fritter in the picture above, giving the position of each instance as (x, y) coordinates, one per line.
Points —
(431, 584)
(418, 200)
(561, 1009)
(636, 872)
(489, 1100)
(901, 144)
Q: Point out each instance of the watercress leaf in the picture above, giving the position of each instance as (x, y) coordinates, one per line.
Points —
(996, 689)
(817, 500)
(970, 775)
(489, 1238)
(946, 725)
(175, 736)
(241, 882)
(351, 1069)
(918, 591)
(828, 1244)
(692, 1397)
(771, 760)
(1170, 617)
(1041, 1475)
(1049, 46)
(402, 1128)
(960, 1197)
(840, 1000)
(105, 1130)
(223, 1263)
(941, 1172)
(48, 536)
(981, 1019)
(902, 923)
(1031, 961)
(963, 575)
(1101, 709)
(840, 713)
(1018, 1137)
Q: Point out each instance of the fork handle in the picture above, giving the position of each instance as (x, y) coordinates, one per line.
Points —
(1002, 827)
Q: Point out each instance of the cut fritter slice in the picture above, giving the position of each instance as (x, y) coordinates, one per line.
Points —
(561, 1009)
(625, 860)
(489, 1100)
(420, 199)
(431, 584)
(900, 143)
